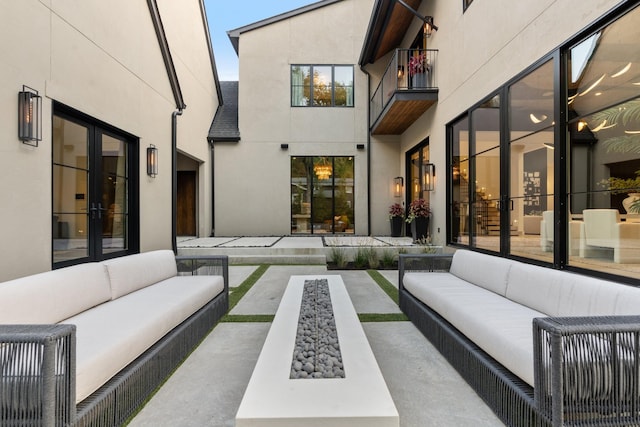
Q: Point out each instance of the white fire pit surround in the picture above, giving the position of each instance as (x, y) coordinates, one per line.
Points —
(360, 399)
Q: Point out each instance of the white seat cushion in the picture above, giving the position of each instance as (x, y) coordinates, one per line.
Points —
(500, 327)
(54, 295)
(112, 335)
(133, 272)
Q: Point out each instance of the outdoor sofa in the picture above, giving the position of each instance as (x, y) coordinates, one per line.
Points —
(541, 346)
(87, 345)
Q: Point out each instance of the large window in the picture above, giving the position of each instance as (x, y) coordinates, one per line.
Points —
(94, 214)
(475, 177)
(322, 195)
(322, 85)
(604, 147)
(531, 160)
(550, 169)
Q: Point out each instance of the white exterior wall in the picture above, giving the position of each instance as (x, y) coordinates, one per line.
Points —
(187, 38)
(480, 50)
(253, 176)
(103, 59)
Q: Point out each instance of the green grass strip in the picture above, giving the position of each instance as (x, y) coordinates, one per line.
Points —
(382, 317)
(238, 292)
(386, 286)
(258, 318)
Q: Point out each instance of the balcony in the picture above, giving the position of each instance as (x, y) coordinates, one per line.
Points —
(407, 89)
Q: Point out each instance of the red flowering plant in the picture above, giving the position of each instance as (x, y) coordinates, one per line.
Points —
(418, 64)
(396, 210)
(418, 208)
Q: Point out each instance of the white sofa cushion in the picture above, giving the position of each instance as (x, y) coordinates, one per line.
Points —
(133, 272)
(112, 335)
(54, 295)
(490, 272)
(562, 293)
(500, 327)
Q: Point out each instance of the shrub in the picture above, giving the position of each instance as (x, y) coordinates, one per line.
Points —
(338, 256)
(388, 258)
(361, 259)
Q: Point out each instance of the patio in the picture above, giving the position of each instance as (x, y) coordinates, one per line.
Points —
(208, 387)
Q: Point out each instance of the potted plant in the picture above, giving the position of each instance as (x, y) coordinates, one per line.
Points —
(630, 186)
(396, 218)
(418, 69)
(419, 213)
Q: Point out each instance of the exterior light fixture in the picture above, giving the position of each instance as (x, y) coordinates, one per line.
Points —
(429, 26)
(429, 179)
(152, 161)
(398, 184)
(29, 116)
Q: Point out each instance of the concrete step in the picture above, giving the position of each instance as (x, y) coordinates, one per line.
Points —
(290, 259)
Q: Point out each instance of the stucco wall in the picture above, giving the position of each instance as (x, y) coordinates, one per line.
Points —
(103, 59)
(479, 51)
(253, 176)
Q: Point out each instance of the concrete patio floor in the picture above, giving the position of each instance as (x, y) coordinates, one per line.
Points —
(208, 388)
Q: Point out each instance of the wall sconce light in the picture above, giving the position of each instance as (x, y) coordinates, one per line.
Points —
(398, 184)
(429, 179)
(284, 146)
(29, 116)
(152, 161)
(360, 146)
(400, 71)
(429, 26)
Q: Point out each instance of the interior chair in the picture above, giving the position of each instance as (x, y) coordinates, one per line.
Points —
(547, 232)
(602, 228)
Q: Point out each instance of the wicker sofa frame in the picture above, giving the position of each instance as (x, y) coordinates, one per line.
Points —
(586, 344)
(47, 398)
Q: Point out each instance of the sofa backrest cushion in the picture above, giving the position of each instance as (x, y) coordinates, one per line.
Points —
(54, 295)
(562, 293)
(130, 273)
(487, 271)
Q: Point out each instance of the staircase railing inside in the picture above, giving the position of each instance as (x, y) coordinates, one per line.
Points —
(408, 70)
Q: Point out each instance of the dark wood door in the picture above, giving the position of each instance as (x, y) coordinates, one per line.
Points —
(186, 204)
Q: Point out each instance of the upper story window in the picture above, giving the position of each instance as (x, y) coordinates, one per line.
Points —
(322, 85)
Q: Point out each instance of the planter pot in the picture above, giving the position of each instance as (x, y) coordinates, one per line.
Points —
(420, 228)
(396, 226)
(420, 80)
(626, 203)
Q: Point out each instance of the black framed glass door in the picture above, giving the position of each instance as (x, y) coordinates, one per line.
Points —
(322, 196)
(92, 191)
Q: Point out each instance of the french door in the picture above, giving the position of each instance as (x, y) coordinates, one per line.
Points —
(418, 176)
(93, 197)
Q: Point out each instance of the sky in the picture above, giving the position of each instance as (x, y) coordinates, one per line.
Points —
(224, 15)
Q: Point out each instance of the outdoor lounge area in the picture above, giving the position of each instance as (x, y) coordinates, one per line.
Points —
(440, 367)
(209, 386)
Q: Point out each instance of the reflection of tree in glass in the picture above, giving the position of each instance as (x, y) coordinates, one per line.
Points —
(322, 87)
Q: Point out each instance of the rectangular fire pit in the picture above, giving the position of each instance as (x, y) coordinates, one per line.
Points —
(273, 399)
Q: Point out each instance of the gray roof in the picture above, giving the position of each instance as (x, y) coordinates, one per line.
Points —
(234, 35)
(224, 127)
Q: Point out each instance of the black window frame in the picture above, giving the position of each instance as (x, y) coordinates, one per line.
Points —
(133, 152)
(333, 86)
(558, 56)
